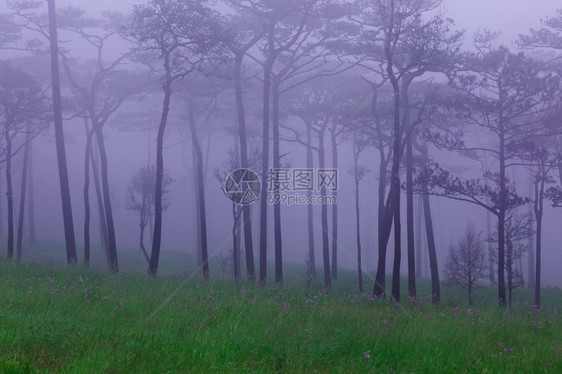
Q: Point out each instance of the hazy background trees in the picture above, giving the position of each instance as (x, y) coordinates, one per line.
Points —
(391, 86)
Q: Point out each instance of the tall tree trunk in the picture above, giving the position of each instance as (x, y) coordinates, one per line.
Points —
(334, 206)
(310, 210)
(491, 273)
(248, 240)
(236, 227)
(157, 238)
(384, 217)
(431, 248)
(538, 209)
(59, 139)
(9, 194)
(112, 245)
(325, 238)
(101, 211)
(531, 254)
(86, 194)
(197, 209)
(418, 245)
(31, 198)
(502, 210)
(236, 243)
(23, 193)
(395, 191)
(358, 226)
(142, 225)
(277, 166)
(265, 161)
(201, 190)
(409, 189)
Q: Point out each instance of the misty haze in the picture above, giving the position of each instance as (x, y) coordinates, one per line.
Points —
(280, 186)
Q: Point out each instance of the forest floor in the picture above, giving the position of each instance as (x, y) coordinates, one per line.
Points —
(55, 319)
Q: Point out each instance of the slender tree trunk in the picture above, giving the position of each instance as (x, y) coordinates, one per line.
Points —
(491, 272)
(538, 208)
(409, 190)
(31, 198)
(9, 194)
(358, 226)
(384, 212)
(236, 227)
(418, 224)
(277, 166)
(101, 210)
(531, 254)
(310, 210)
(432, 252)
(265, 162)
(248, 240)
(157, 239)
(395, 193)
(502, 209)
(112, 245)
(325, 238)
(197, 209)
(201, 190)
(23, 193)
(86, 194)
(397, 253)
(236, 243)
(59, 139)
(142, 225)
(334, 207)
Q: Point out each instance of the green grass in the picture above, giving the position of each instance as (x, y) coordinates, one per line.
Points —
(54, 319)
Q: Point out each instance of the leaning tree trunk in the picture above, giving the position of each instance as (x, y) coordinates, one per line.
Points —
(201, 190)
(334, 208)
(277, 205)
(23, 193)
(9, 194)
(142, 225)
(432, 252)
(248, 240)
(157, 237)
(59, 139)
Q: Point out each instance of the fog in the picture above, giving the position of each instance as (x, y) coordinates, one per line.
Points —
(130, 137)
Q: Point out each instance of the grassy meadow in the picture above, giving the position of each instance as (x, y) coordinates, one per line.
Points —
(59, 320)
